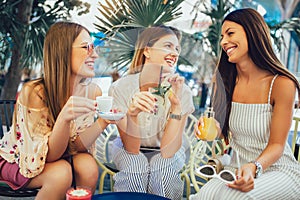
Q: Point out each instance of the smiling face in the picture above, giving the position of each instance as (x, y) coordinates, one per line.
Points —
(234, 42)
(164, 52)
(83, 56)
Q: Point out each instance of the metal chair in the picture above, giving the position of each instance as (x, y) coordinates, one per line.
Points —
(6, 114)
(201, 154)
(190, 141)
(296, 140)
(101, 154)
(108, 167)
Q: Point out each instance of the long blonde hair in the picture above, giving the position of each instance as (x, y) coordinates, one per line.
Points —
(147, 39)
(57, 64)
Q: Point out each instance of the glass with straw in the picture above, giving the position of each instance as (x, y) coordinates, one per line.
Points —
(159, 92)
(208, 129)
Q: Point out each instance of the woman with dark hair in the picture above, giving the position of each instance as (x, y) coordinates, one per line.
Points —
(54, 119)
(254, 101)
(149, 153)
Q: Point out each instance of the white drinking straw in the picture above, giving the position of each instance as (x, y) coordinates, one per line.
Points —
(238, 163)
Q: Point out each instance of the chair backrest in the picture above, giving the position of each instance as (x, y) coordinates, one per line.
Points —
(103, 142)
(296, 139)
(201, 154)
(189, 139)
(6, 113)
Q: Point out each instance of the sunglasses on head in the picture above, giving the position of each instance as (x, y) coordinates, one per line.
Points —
(210, 172)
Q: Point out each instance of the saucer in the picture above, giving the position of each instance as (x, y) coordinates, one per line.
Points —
(111, 115)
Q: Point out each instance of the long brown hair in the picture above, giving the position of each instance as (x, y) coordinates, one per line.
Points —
(147, 38)
(57, 64)
(261, 53)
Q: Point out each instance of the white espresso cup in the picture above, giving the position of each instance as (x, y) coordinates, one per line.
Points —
(104, 103)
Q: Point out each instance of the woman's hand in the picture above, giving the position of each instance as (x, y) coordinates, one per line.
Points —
(176, 82)
(142, 101)
(196, 126)
(245, 178)
(75, 107)
(201, 123)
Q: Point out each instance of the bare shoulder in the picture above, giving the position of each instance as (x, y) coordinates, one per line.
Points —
(32, 95)
(283, 83)
(283, 87)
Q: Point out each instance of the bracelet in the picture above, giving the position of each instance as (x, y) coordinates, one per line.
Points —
(174, 116)
(259, 169)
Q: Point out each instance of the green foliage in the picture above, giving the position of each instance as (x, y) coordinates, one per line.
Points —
(213, 34)
(217, 14)
(277, 30)
(123, 20)
(161, 90)
(29, 37)
(23, 26)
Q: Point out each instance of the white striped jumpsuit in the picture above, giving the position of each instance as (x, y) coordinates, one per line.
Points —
(250, 128)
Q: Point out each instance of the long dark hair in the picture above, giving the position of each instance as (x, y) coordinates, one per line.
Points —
(260, 51)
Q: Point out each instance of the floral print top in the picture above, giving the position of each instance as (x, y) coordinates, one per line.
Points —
(27, 141)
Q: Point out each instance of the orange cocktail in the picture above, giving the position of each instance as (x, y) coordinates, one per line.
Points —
(209, 130)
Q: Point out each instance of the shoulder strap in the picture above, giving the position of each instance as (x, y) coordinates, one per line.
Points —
(271, 86)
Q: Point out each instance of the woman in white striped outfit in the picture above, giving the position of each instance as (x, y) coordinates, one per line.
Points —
(258, 95)
(149, 155)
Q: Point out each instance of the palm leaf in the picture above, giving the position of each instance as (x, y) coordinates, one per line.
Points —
(122, 20)
(276, 29)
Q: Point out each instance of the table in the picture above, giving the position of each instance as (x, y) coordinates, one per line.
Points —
(127, 195)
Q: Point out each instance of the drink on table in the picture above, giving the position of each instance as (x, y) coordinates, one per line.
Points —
(80, 193)
(209, 131)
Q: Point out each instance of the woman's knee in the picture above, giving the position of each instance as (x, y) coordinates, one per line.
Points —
(85, 166)
(61, 172)
(131, 162)
(175, 163)
(57, 174)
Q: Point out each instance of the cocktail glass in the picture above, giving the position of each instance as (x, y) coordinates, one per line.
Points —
(209, 130)
(160, 100)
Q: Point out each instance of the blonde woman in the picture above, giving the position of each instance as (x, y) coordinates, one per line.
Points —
(149, 152)
(54, 119)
